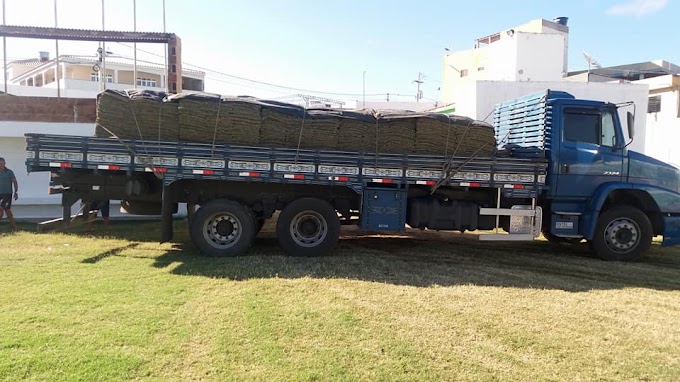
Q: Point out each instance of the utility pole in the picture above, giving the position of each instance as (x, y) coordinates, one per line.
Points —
(419, 81)
(4, 51)
(134, 45)
(56, 48)
(102, 76)
(364, 89)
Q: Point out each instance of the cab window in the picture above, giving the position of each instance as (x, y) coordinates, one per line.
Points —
(582, 126)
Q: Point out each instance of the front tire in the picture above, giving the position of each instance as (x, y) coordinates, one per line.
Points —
(622, 234)
(223, 228)
(308, 227)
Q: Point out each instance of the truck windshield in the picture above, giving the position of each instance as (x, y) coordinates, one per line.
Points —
(608, 130)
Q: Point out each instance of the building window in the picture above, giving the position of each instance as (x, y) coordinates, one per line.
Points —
(174, 86)
(95, 77)
(464, 73)
(146, 82)
(173, 51)
(654, 105)
(480, 69)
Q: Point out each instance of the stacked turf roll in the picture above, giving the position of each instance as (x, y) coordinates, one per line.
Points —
(213, 119)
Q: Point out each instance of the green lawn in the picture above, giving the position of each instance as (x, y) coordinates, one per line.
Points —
(426, 306)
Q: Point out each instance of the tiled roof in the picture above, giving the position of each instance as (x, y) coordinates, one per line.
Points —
(28, 61)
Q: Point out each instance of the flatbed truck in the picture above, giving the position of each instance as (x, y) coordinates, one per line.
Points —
(563, 169)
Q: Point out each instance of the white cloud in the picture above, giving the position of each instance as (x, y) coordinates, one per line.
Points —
(637, 8)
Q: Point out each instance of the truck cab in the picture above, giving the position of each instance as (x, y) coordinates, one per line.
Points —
(596, 188)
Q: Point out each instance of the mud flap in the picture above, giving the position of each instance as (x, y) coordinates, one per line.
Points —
(167, 209)
(671, 231)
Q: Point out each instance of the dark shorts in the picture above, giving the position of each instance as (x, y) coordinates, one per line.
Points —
(102, 207)
(6, 201)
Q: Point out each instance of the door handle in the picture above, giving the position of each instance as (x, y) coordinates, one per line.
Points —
(564, 168)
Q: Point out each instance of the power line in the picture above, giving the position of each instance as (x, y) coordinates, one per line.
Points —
(263, 82)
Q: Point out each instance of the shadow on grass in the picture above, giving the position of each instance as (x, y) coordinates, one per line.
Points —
(425, 259)
(109, 253)
(139, 231)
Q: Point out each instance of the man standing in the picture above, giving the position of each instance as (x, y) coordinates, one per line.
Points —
(101, 206)
(7, 179)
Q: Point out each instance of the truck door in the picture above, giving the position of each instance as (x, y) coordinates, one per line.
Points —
(590, 151)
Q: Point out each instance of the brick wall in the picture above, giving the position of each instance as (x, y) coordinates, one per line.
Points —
(47, 109)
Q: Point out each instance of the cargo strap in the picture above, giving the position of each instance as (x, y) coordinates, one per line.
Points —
(448, 170)
(160, 118)
(302, 129)
(377, 123)
(217, 120)
(134, 116)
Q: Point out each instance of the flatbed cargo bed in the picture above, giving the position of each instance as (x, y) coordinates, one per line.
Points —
(173, 161)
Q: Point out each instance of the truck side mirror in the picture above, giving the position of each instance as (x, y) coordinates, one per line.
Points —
(631, 125)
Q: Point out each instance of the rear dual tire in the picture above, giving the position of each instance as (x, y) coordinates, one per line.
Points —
(223, 228)
(308, 227)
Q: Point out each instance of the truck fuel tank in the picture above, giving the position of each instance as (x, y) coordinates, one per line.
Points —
(446, 215)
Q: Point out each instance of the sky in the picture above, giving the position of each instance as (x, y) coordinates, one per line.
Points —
(334, 49)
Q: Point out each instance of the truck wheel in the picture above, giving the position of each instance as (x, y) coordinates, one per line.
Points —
(223, 228)
(622, 234)
(308, 227)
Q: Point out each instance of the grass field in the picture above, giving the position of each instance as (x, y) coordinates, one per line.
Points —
(424, 306)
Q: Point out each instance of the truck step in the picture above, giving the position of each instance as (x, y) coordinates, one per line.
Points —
(506, 237)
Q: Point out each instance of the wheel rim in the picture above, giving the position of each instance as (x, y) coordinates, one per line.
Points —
(222, 230)
(308, 229)
(622, 235)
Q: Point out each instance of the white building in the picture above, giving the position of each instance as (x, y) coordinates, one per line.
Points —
(663, 118)
(535, 51)
(34, 199)
(82, 76)
(78, 78)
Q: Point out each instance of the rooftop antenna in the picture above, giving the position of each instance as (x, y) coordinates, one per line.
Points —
(591, 63)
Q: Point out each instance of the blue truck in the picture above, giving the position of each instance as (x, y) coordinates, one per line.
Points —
(562, 169)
